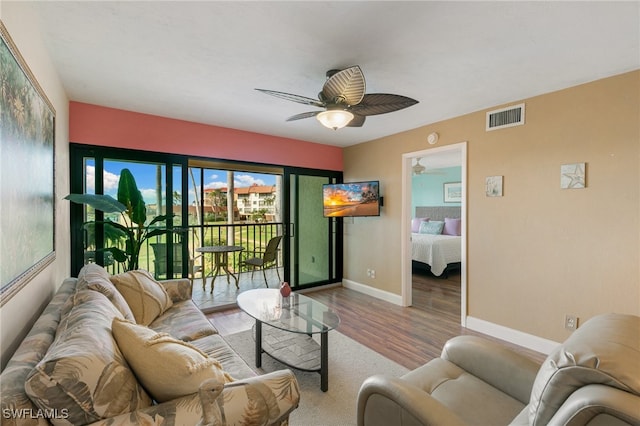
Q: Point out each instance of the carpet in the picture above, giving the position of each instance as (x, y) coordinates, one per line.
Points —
(350, 363)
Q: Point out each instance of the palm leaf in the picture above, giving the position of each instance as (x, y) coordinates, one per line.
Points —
(155, 233)
(130, 195)
(161, 218)
(118, 255)
(104, 203)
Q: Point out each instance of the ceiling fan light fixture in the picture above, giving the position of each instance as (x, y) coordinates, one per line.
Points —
(344, 90)
(334, 118)
(418, 168)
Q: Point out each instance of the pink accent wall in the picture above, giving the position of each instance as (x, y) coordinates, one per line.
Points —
(97, 125)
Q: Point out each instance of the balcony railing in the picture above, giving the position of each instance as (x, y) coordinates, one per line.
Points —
(253, 237)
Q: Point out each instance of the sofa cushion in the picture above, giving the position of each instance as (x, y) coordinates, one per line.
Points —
(267, 399)
(31, 350)
(83, 374)
(146, 297)
(216, 347)
(95, 277)
(184, 321)
(605, 350)
(168, 368)
(178, 289)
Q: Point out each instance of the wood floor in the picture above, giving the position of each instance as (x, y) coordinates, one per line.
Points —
(409, 336)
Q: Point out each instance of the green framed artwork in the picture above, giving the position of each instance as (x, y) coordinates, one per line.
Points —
(27, 149)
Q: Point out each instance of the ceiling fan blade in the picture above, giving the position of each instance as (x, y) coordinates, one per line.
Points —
(358, 121)
(303, 115)
(295, 98)
(382, 103)
(344, 87)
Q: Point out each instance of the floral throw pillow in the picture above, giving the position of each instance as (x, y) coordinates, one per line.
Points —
(167, 367)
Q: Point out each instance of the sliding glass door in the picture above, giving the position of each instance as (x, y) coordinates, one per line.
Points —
(159, 179)
(213, 202)
(313, 241)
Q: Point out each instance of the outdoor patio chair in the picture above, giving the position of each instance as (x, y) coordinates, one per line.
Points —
(264, 259)
(196, 263)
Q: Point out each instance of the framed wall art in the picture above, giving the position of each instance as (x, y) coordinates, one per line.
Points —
(573, 176)
(452, 192)
(27, 213)
(493, 186)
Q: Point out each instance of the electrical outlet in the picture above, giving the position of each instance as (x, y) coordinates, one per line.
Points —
(373, 273)
(570, 322)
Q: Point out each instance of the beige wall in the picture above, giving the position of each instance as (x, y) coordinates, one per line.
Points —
(538, 252)
(19, 313)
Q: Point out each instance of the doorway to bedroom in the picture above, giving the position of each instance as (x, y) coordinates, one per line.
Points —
(434, 240)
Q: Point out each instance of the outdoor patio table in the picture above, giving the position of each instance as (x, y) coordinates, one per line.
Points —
(219, 261)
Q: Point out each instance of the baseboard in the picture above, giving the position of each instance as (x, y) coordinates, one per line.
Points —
(319, 288)
(516, 337)
(374, 292)
(519, 338)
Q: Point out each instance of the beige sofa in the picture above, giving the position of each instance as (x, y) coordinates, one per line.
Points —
(125, 349)
(593, 378)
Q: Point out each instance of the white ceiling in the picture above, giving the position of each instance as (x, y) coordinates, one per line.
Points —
(200, 61)
(438, 159)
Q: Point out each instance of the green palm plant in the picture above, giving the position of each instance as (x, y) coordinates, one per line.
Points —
(133, 211)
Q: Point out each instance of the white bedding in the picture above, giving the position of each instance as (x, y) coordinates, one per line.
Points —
(437, 251)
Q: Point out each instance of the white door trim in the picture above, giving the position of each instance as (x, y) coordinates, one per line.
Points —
(407, 214)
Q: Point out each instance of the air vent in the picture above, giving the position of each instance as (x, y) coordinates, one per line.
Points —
(505, 117)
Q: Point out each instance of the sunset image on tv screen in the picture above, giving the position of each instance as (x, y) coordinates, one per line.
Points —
(351, 199)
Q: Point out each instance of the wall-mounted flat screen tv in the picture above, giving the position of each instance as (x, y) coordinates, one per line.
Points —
(351, 199)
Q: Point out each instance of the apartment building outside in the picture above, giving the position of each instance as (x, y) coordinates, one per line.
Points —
(257, 202)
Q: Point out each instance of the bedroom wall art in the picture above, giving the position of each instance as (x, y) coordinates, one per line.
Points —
(452, 192)
(27, 173)
(573, 176)
(493, 186)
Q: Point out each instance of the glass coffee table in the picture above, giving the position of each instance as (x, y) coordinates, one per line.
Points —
(292, 321)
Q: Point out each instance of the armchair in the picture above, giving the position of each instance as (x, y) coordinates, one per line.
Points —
(591, 378)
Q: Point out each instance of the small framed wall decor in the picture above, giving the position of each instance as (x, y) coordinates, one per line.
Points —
(493, 186)
(573, 176)
(452, 192)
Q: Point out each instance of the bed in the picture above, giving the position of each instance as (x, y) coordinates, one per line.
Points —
(436, 253)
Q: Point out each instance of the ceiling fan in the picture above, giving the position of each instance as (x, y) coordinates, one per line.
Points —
(419, 169)
(344, 100)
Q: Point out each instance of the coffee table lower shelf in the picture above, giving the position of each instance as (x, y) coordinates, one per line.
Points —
(296, 350)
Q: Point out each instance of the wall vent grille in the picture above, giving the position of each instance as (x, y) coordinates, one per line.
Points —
(505, 117)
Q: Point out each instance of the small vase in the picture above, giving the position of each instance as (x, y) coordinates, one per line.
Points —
(285, 290)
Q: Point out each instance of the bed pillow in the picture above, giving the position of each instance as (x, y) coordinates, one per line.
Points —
(452, 226)
(432, 227)
(168, 368)
(415, 223)
(146, 297)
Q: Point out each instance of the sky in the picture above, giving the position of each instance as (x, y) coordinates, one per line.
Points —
(145, 176)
